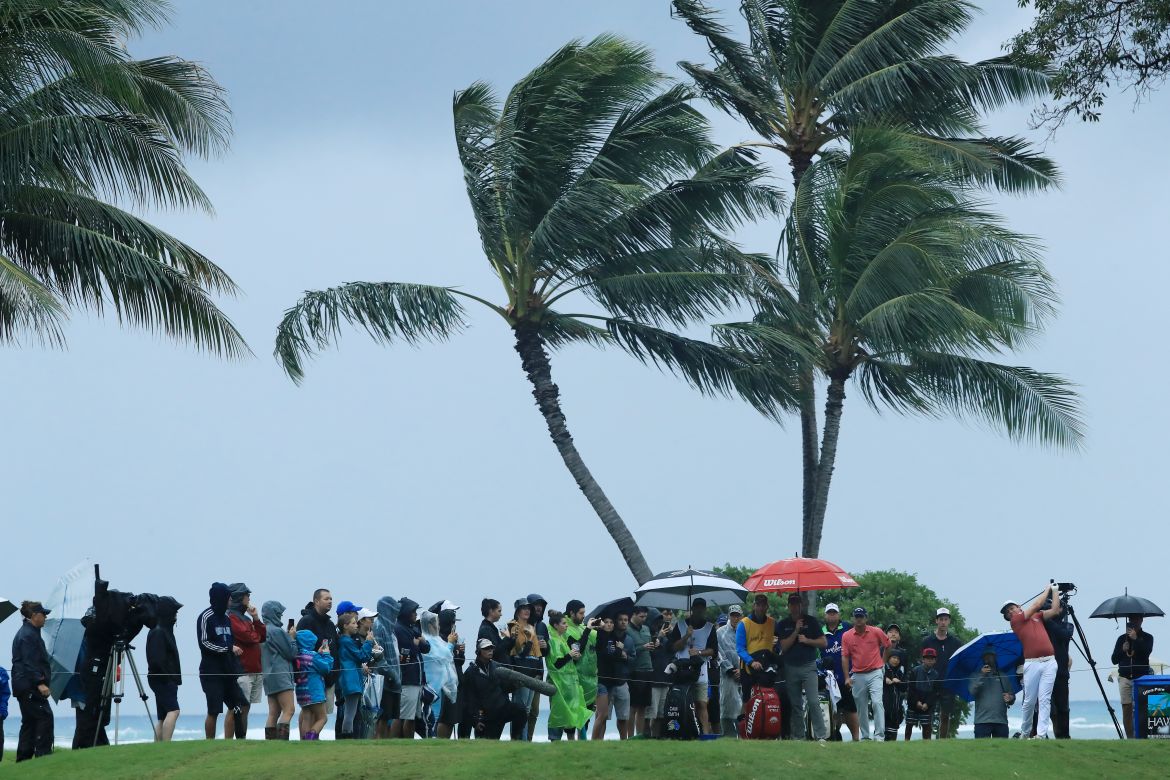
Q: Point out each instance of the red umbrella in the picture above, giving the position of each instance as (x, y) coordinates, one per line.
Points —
(799, 574)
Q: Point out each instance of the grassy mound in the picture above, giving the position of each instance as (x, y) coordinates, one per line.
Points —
(577, 761)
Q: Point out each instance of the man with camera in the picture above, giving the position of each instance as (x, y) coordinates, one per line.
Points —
(1131, 653)
(944, 646)
(1039, 655)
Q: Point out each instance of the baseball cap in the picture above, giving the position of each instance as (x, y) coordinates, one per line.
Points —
(942, 611)
(891, 627)
(39, 609)
(1006, 604)
(930, 652)
(347, 606)
(761, 597)
(521, 602)
(860, 612)
(735, 609)
(364, 613)
(484, 644)
(721, 621)
(793, 597)
(831, 608)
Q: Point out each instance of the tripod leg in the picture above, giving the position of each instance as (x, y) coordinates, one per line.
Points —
(1084, 648)
(104, 700)
(141, 691)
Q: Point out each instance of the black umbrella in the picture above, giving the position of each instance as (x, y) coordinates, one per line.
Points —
(625, 605)
(1124, 606)
(6, 609)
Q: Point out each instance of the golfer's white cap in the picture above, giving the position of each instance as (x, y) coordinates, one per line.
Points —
(942, 611)
(366, 612)
(1006, 604)
(831, 608)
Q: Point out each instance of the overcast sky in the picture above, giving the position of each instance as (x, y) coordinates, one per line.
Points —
(429, 473)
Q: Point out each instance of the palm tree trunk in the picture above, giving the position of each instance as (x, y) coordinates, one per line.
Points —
(534, 358)
(833, 407)
(806, 384)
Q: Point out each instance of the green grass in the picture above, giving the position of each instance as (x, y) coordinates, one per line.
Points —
(954, 760)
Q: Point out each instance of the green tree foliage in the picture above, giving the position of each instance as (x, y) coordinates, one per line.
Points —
(83, 126)
(1093, 45)
(601, 203)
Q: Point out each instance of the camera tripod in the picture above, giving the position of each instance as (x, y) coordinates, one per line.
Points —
(1083, 647)
(114, 688)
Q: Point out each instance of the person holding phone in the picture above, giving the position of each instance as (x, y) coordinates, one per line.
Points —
(279, 656)
(1131, 653)
(696, 637)
(993, 695)
(583, 639)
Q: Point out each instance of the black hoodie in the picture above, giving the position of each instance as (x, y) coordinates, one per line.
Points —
(213, 629)
(162, 652)
(324, 628)
(406, 630)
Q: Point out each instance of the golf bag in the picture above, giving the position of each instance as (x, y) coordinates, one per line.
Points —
(682, 721)
(762, 716)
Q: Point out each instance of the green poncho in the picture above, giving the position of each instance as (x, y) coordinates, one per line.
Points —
(567, 708)
(587, 665)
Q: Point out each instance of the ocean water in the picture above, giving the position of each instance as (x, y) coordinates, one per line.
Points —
(1088, 720)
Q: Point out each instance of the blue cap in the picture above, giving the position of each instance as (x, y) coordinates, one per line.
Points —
(347, 606)
(721, 621)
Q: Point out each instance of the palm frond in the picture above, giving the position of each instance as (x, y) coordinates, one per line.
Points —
(386, 311)
(561, 330)
(27, 307)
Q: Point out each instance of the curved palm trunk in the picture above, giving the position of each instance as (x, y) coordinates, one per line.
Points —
(534, 358)
(806, 383)
(833, 407)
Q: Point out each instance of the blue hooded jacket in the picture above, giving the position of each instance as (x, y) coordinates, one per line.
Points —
(353, 655)
(213, 629)
(5, 693)
(311, 669)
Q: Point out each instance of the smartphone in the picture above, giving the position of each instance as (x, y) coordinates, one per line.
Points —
(291, 623)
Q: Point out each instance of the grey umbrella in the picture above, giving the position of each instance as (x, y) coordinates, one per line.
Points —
(1126, 605)
(63, 637)
(679, 588)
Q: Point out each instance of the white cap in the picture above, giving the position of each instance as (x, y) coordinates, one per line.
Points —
(1006, 604)
(832, 608)
(366, 612)
(942, 611)
(447, 604)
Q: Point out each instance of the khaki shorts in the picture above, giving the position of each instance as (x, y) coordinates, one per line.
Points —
(658, 693)
(252, 686)
(699, 692)
(330, 700)
(1125, 688)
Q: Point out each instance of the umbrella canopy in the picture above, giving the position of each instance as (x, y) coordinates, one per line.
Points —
(679, 588)
(6, 609)
(968, 660)
(625, 604)
(1124, 606)
(799, 574)
(63, 637)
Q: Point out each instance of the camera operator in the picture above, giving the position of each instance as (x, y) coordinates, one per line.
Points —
(1060, 633)
(1039, 655)
(1131, 653)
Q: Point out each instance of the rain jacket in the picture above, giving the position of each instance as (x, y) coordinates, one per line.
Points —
(484, 698)
(324, 628)
(353, 654)
(439, 663)
(249, 636)
(1138, 664)
(312, 667)
(409, 654)
(162, 652)
(5, 693)
(988, 690)
(725, 637)
(388, 667)
(923, 686)
(213, 629)
(566, 709)
(30, 660)
(279, 652)
(586, 639)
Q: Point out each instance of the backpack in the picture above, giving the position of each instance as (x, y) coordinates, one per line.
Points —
(679, 712)
(762, 718)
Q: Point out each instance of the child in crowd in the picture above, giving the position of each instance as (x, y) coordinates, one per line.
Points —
(354, 654)
(313, 662)
(5, 693)
(894, 693)
(922, 694)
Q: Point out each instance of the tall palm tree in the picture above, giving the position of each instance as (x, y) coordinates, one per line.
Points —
(812, 70)
(82, 125)
(594, 182)
(913, 287)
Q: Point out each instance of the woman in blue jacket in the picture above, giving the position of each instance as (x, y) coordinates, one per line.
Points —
(354, 654)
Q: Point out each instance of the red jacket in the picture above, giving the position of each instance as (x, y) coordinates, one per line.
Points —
(248, 635)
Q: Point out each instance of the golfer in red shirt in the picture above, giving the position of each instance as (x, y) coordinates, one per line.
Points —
(864, 652)
(1039, 657)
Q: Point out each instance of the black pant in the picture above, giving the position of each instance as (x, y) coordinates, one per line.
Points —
(1060, 706)
(36, 727)
(513, 715)
(991, 731)
(90, 728)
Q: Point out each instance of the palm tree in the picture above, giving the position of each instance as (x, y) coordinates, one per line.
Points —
(913, 286)
(592, 180)
(812, 70)
(82, 125)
